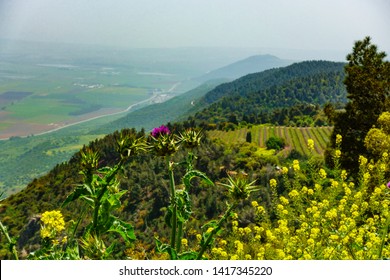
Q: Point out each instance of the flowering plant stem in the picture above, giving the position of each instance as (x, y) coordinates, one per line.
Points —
(173, 203)
(215, 230)
(10, 241)
(384, 234)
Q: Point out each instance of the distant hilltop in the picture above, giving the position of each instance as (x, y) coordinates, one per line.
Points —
(252, 64)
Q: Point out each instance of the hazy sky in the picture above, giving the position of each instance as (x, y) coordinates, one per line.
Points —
(289, 24)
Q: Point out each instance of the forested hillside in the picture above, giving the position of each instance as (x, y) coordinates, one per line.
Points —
(143, 177)
(292, 95)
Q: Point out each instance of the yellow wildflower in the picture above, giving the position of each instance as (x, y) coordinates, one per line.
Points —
(322, 173)
(344, 174)
(283, 200)
(310, 144)
(362, 160)
(366, 176)
(247, 230)
(331, 214)
(335, 184)
(260, 209)
(339, 139)
(293, 194)
(280, 254)
(334, 237)
(209, 230)
(258, 229)
(377, 191)
(53, 224)
(184, 242)
(239, 246)
(296, 166)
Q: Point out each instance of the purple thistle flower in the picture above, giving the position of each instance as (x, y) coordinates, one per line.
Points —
(162, 130)
(388, 184)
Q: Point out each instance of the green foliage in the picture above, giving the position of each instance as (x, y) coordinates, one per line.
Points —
(275, 143)
(377, 140)
(291, 95)
(367, 82)
(100, 192)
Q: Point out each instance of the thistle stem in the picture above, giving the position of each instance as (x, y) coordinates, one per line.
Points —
(173, 203)
(179, 236)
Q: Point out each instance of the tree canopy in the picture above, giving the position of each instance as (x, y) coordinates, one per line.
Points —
(368, 85)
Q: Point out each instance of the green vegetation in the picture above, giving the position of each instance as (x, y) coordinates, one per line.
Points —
(368, 82)
(174, 193)
(306, 212)
(295, 137)
(23, 159)
(275, 143)
(291, 95)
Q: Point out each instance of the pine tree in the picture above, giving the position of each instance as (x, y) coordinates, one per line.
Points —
(368, 85)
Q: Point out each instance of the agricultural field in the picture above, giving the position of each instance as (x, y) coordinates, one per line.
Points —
(295, 137)
(41, 92)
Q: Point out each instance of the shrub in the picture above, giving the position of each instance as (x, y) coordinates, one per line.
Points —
(275, 143)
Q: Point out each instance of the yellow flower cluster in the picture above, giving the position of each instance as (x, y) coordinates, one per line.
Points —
(334, 218)
(53, 224)
(322, 173)
(310, 144)
(184, 242)
(296, 166)
(339, 139)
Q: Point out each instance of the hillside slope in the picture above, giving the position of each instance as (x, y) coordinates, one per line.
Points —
(252, 64)
(276, 95)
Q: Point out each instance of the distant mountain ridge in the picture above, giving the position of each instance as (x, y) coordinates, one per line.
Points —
(252, 64)
(255, 82)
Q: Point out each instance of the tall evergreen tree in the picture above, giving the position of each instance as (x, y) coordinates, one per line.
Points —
(368, 85)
